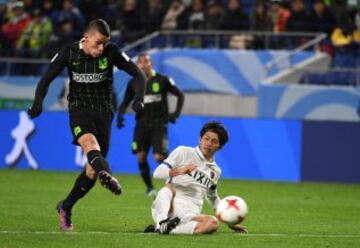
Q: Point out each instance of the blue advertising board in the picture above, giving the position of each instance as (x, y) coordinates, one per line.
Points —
(257, 149)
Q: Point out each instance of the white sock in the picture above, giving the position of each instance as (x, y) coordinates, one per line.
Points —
(186, 228)
(162, 204)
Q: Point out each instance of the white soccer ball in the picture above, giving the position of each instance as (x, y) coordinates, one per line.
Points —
(231, 210)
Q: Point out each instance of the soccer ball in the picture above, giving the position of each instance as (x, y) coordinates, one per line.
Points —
(231, 210)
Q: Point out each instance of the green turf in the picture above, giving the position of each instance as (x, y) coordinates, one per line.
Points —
(281, 214)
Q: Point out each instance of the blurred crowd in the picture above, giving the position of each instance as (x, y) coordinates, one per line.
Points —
(38, 28)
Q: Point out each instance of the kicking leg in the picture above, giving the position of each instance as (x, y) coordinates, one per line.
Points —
(97, 161)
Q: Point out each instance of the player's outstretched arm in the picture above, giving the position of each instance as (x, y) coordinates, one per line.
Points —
(182, 170)
(123, 62)
(129, 96)
(163, 171)
(179, 103)
(56, 66)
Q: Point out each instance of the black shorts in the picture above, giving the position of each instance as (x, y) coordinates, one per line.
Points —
(146, 137)
(84, 121)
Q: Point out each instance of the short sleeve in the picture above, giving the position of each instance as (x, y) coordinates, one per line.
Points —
(176, 158)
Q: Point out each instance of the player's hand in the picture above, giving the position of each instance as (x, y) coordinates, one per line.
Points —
(238, 228)
(188, 168)
(34, 110)
(138, 106)
(120, 121)
(172, 117)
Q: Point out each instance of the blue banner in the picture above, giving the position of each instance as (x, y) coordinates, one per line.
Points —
(257, 149)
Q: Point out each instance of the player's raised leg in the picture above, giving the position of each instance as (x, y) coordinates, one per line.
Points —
(98, 163)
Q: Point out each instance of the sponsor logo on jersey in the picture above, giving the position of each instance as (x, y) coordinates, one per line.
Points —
(201, 178)
(152, 98)
(103, 63)
(89, 77)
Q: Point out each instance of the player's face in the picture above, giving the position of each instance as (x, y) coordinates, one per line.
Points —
(145, 64)
(209, 144)
(95, 43)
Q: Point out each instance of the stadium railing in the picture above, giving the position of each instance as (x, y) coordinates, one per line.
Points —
(216, 39)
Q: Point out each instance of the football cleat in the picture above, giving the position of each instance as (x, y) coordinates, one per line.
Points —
(165, 226)
(65, 218)
(149, 229)
(110, 182)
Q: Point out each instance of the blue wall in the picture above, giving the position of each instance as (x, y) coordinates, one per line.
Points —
(330, 152)
(258, 149)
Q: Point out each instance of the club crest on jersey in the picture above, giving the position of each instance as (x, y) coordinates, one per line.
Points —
(103, 63)
(155, 87)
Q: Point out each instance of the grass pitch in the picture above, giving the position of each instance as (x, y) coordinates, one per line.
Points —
(281, 214)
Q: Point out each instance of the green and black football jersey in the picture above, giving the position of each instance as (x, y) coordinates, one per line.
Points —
(91, 79)
(156, 109)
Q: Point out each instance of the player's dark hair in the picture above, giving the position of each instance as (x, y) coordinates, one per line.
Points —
(100, 26)
(217, 128)
(144, 54)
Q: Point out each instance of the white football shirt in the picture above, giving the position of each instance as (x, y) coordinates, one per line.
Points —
(198, 184)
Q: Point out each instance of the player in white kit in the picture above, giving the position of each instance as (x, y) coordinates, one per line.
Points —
(192, 175)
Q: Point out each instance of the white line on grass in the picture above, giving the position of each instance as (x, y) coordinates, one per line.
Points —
(300, 235)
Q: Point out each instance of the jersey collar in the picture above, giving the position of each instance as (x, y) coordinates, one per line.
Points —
(80, 43)
(201, 155)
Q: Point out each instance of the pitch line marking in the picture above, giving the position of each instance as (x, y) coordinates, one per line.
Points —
(299, 235)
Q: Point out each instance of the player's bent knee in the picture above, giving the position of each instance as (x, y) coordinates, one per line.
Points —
(142, 157)
(88, 142)
(159, 157)
(90, 172)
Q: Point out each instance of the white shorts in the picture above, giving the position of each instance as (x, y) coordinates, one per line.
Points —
(184, 208)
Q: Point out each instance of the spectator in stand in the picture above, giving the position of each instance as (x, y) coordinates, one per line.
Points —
(110, 13)
(321, 18)
(339, 8)
(213, 15)
(260, 21)
(342, 36)
(298, 22)
(3, 12)
(153, 14)
(130, 21)
(71, 12)
(91, 9)
(234, 18)
(65, 34)
(196, 16)
(299, 19)
(49, 9)
(175, 17)
(13, 28)
(34, 39)
(279, 16)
